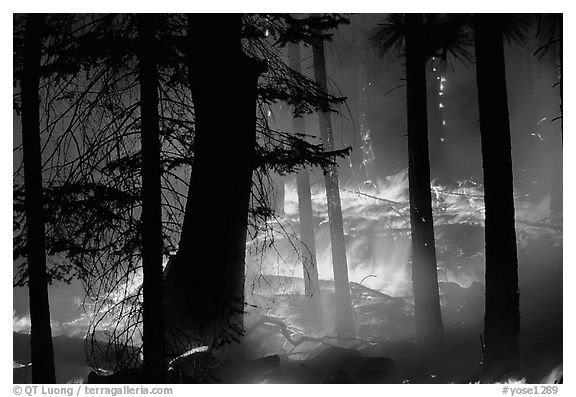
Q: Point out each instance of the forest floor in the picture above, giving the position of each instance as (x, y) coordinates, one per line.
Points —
(376, 238)
(384, 349)
(283, 347)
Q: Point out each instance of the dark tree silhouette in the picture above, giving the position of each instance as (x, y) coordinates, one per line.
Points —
(153, 305)
(549, 34)
(344, 315)
(420, 38)
(94, 200)
(40, 331)
(306, 216)
(502, 313)
(424, 275)
(207, 281)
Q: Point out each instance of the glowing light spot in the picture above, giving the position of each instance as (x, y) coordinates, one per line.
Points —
(269, 113)
(442, 79)
(266, 33)
(440, 105)
(443, 122)
(441, 139)
(433, 69)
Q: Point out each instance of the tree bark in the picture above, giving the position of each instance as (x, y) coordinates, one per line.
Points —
(40, 331)
(427, 312)
(152, 243)
(306, 216)
(502, 315)
(206, 282)
(344, 316)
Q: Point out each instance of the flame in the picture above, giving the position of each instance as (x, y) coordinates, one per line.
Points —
(554, 376)
(377, 229)
(378, 245)
(512, 381)
(21, 324)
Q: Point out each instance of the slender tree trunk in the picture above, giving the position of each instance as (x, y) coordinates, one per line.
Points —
(40, 331)
(549, 127)
(427, 312)
(279, 193)
(153, 306)
(207, 277)
(502, 316)
(344, 315)
(308, 248)
(556, 202)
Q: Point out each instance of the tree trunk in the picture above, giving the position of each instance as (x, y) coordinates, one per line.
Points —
(502, 315)
(308, 247)
(206, 297)
(344, 315)
(561, 73)
(549, 127)
(427, 312)
(279, 193)
(153, 307)
(40, 330)
(556, 188)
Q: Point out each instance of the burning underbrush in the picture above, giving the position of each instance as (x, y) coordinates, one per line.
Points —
(285, 346)
(377, 230)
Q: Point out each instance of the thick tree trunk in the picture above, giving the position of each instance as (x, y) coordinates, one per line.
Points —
(306, 216)
(502, 316)
(40, 331)
(153, 306)
(344, 315)
(206, 280)
(427, 312)
(561, 72)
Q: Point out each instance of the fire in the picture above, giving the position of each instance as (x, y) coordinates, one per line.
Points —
(377, 227)
(378, 245)
(555, 376)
